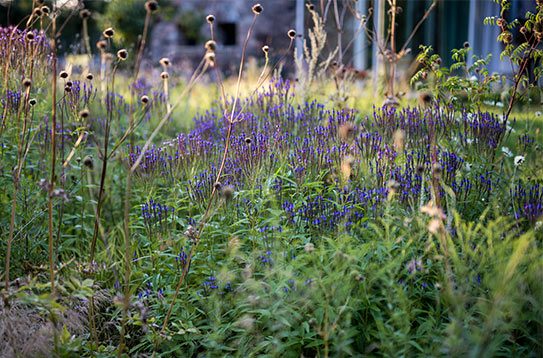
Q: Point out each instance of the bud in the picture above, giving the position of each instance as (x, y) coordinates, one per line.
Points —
(309, 247)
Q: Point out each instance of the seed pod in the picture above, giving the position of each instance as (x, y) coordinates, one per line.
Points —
(466, 44)
(210, 18)
(101, 45)
(27, 83)
(257, 9)
(164, 61)
(292, 34)
(89, 76)
(151, 6)
(228, 192)
(68, 89)
(144, 99)
(109, 32)
(63, 75)
(211, 45)
(32, 102)
(248, 140)
(84, 14)
(122, 54)
(164, 75)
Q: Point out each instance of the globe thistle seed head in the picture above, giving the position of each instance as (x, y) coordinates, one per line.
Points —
(69, 84)
(248, 140)
(210, 18)
(466, 45)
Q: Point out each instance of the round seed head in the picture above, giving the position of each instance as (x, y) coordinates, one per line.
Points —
(122, 54)
(63, 75)
(32, 102)
(436, 170)
(88, 162)
(38, 12)
(68, 89)
(425, 98)
(30, 36)
(109, 32)
(257, 9)
(164, 75)
(248, 140)
(84, 14)
(228, 192)
(90, 76)
(218, 185)
(210, 18)
(101, 45)
(27, 82)
(310, 7)
(144, 99)
(45, 10)
(466, 44)
(420, 169)
(69, 84)
(266, 48)
(151, 6)
(84, 113)
(211, 45)
(164, 61)
(292, 34)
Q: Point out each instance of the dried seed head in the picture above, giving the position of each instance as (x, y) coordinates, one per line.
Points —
(122, 54)
(466, 44)
(257, 9)
(84, 113)
(211, 45)
(45, 10)
(164, 75)
(248, 140)
(164, 61)
(32, 102)
(144, 99)
(101, 45)
(88, 162)
(310, 7)
(291, 33)
(419, 169)
(210, 18)
(30, 36)
(228, 192)
(89, 76)
(27, 82)
(109, 32)
(217, 185)
(309, 247)
(69, 84)
(63, 75)
(84, 14)
(151, 6)
(68, 89)
(266, 48)
(38, 12)
(393, 186)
